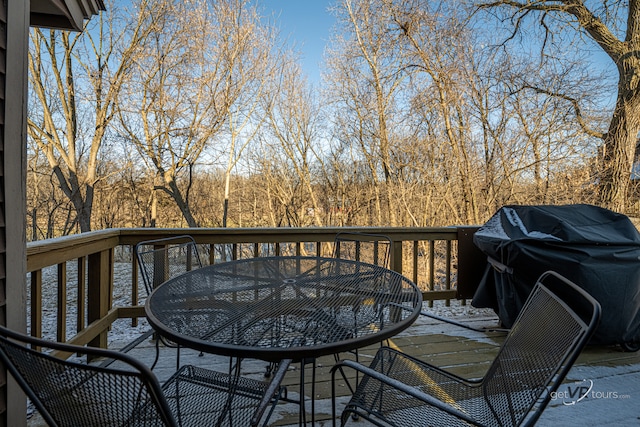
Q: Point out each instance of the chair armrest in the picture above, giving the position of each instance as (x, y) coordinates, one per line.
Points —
(274, 385)
(412, 391)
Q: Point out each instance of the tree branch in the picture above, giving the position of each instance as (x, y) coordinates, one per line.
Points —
(574, 9)
(576, 108)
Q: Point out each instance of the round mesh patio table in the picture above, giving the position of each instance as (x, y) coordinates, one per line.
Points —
(276, 308)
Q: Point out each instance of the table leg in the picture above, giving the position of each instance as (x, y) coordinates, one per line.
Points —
(313, 393)
(302, 418)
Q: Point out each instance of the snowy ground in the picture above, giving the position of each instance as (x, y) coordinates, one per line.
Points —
(121, 330)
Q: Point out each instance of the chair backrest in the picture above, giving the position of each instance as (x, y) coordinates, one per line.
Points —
(365, 247)
(161, 259)
(553, 326)
(70, 393)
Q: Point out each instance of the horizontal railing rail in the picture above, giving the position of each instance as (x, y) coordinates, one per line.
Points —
(80, 268)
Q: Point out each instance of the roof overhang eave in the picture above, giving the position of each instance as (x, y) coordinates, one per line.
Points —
(63, 14)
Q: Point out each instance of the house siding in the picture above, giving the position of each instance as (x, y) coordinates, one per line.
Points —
(3, 289)
(14, 32)
(14, 46)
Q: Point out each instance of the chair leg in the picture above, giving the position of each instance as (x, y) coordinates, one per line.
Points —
(177, 357)
(271, 367)
(155, 361)
(274, 393)
(344, 375)
(234, 367)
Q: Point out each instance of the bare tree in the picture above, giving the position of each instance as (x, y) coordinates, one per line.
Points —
(614, 27)
(250, 51)
(76, 79)
(438, 53)
(197, 83)
(294, 118)
(174, 103)
(47, 208)
(366, 75)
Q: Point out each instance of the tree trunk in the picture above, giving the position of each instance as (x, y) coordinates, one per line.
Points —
(621, 139)
(182, 204)
(84, 210)
(227, 190)
(154, 207)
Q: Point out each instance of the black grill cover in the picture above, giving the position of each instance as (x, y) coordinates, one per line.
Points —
(596, 248)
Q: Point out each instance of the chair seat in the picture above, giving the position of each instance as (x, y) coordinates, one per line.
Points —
(200, 397)
(394, 406)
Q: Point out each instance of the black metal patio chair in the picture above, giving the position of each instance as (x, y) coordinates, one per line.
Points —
(376, 249)
(553, 326)
(158, 261)
(127, 392)
(161, 259)
(365, 247)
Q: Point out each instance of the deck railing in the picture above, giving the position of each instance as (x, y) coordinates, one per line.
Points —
(441, 261)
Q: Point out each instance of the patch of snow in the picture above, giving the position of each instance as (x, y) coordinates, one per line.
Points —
(121, 330)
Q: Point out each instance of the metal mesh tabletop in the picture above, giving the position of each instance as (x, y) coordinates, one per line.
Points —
(283, 307)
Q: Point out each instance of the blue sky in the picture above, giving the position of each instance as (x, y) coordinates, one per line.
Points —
(308, 23)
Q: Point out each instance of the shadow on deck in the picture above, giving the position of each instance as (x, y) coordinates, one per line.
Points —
(614, 398)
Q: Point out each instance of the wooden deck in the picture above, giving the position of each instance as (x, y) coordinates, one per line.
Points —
(614, 400)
